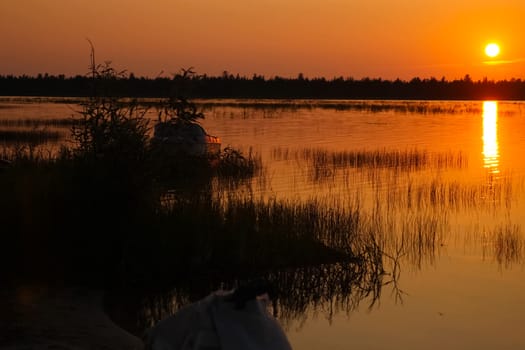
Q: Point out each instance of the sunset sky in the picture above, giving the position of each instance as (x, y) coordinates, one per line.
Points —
(351, 38)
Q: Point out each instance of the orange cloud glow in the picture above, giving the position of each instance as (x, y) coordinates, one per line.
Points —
(381, 38)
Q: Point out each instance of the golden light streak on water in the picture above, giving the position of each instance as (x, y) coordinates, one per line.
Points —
(490, 136)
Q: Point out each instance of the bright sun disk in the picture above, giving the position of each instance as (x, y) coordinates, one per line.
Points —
(492, 50)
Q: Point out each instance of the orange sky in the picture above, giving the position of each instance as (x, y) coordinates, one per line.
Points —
(358, 38)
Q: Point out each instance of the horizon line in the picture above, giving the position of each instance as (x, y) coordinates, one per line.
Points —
(298, 76)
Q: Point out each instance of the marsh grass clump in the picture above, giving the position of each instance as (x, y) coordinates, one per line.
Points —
(454, 195)
(408, 159)
(508, 245)
(95, 211)
(26, 153)
(369, 106)
(322, 166)
(245, 234)
(233, 163)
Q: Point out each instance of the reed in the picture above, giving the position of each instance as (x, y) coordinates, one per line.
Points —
(408, 178)
(368, 106)
(254, 233)
(323, 254)
(314, 288)
(505, 243)
(453, 195)
(27, 154)
(407, 160)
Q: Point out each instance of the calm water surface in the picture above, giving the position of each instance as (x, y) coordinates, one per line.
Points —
(466, 291)
(452, 228)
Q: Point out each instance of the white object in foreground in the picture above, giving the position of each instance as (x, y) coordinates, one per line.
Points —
(216, 323)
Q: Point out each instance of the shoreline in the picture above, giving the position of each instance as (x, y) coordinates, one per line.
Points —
(37, 317)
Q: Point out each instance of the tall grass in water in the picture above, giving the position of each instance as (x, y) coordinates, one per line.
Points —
(323, 166)
(304, 286)
(450, 195)
(412, 178)
(251, 234)
(27, 154)
(505, 242)
(407, 160)
(369, 106)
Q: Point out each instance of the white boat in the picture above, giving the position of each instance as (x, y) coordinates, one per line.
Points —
(187, 137)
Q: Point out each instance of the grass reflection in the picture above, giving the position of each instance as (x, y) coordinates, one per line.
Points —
(326, 289)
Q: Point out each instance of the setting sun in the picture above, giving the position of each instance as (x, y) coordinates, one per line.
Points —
(492, 50)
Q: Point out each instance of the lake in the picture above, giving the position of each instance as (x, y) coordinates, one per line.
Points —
(440, 184)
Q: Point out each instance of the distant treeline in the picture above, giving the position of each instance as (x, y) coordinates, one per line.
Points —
(257, 86)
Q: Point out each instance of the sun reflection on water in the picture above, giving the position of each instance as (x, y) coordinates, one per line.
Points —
(490, 136)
